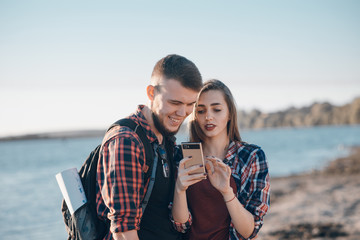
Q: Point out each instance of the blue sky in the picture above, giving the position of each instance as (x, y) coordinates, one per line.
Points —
(67, 65)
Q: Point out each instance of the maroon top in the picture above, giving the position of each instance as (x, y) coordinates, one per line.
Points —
(211, 219)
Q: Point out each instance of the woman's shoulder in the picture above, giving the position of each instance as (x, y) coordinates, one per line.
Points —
(245, 146)
(248, 150)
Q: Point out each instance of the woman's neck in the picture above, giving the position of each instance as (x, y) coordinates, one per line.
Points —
(216, 146)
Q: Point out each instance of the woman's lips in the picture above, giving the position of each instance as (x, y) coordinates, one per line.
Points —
(209, 127)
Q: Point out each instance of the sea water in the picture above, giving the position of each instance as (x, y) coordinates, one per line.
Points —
(30, 197)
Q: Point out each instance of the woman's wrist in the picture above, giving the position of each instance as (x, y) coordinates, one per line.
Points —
(180, 189)
(227, 201)
(228, 194)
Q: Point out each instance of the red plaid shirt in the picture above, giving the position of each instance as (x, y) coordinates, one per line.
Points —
(120, 185)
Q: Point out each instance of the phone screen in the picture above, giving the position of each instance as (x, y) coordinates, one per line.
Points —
(193, 149)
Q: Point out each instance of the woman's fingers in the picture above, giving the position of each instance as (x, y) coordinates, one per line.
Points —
(189, 170)
(215, 165)
(209, 167)
(190, 175)
(195, 181)
(194, 177)
(186, 180)
(184, 161)
(216, 162)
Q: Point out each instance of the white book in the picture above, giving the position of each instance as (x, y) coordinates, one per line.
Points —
(71, 188)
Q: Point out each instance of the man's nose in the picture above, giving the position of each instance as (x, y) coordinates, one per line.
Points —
(181, 111)
(189, 109)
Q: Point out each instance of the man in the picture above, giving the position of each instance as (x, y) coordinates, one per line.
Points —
(175, 82)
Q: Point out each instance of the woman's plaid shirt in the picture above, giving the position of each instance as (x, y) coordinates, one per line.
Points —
(251, 174)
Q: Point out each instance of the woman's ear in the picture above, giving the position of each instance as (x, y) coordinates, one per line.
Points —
(150, 92)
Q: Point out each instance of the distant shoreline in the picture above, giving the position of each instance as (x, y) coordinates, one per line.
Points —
(100, 133)
(55, 135)
(315, 115)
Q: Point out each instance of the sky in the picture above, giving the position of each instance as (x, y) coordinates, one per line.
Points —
(76, 65)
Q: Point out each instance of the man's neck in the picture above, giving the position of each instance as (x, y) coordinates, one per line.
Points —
(148, 116)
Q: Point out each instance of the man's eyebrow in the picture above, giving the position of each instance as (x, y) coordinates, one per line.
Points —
(177, 101)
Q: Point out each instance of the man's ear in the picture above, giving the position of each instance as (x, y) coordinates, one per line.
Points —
(150, 92)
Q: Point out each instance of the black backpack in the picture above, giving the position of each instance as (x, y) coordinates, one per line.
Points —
(84, 224)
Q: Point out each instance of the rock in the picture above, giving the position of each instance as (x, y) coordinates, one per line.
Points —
(316, 114)
(310, 231)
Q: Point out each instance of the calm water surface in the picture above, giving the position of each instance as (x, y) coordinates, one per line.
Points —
(30, 197)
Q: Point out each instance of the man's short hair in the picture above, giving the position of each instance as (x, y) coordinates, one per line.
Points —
(178, 68)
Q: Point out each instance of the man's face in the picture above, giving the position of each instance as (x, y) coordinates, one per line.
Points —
(171, 104)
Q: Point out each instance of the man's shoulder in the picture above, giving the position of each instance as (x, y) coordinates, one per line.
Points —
(125, 132)
(120, 133)
(178, 156)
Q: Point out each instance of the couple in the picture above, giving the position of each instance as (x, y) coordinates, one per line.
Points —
(228, 202)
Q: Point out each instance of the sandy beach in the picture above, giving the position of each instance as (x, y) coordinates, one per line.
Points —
(318, 205)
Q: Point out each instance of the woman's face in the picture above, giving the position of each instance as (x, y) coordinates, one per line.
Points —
(212, 114)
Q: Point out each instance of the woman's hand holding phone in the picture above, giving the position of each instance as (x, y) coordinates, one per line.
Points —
(188, 176)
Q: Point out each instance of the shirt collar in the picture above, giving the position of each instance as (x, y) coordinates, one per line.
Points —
(140, 119)
(231, 153)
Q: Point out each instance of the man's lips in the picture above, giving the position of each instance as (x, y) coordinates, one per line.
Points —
(175, 121)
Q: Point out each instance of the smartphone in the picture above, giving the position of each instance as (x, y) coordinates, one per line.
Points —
(193, 149)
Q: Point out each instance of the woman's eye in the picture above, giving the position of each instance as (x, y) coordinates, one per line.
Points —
(200, 111)
(217, 110)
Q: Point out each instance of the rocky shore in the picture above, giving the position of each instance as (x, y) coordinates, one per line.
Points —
(317, 205)
(316, 114)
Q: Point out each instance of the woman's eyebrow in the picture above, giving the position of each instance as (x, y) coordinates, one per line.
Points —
(215, 104)
(212, 104)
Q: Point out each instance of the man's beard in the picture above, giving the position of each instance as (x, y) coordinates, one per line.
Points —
(160, 127)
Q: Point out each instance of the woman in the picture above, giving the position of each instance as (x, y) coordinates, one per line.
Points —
(231, 199)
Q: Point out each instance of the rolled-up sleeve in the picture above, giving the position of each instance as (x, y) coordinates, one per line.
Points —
(259, 193)
(181, 227)
(121, 183)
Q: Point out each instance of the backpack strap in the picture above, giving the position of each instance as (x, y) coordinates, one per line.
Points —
(151, 160)
(149, 154)
(151, 183)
